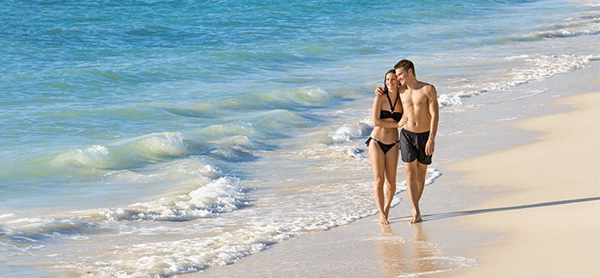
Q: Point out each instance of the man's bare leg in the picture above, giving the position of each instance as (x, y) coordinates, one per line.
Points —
(421, 173)
(412, 186)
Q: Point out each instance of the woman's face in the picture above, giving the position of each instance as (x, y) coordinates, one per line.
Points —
(391, 81)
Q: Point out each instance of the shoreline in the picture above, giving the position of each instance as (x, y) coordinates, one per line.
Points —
(447, 243)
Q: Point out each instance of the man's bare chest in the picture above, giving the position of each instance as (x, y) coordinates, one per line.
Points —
(413, 98)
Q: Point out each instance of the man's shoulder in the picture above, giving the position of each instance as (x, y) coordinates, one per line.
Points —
(426, 86)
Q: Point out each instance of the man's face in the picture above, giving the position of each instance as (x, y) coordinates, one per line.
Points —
(401, 73)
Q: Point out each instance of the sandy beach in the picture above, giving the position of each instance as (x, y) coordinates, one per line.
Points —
(550, 219)
(530, 209)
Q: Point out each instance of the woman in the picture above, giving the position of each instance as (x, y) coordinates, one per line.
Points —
(383, 142)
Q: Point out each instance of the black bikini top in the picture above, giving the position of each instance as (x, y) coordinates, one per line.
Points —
(385, 114)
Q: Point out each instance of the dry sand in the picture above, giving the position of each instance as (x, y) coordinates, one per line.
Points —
(550, 218)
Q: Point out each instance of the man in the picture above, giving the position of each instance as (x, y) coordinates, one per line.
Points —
(417, 138)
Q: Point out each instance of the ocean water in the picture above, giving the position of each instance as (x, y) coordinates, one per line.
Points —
(153, 138)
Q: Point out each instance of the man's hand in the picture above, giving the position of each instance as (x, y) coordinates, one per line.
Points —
(429, 147)
(403, 121)
(379, 91)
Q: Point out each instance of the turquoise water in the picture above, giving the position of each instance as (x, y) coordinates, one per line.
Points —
(141, 115)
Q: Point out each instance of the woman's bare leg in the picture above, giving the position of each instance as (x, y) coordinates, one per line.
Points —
(391, 168)
(378, 165)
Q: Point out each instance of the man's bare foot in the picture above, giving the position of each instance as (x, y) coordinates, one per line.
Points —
(416, 219)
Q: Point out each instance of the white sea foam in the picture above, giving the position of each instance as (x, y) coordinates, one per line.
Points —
(224, 194)
(184, 256)
(516, 57)
(94, 156)
(587, 24)
(262, 228)
(451, 133)
(535, 67)
(307, 96)
(310, 95)
(507, 119)
(168, 144)
(447, 263)
(237, 141)
(181, 174)
(348, 132)
(40, 228)
(279, 121)
(545, 66)
(315, 93)
(434, 174)
(529, 94)
(453, 99)
(143, 149)
(218, 131)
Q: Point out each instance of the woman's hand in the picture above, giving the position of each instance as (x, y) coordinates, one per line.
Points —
(403, 121)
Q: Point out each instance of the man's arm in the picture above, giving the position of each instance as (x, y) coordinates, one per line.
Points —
(379, 91)
(434, 111)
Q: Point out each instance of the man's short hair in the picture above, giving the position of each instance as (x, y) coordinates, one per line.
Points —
(406, 64)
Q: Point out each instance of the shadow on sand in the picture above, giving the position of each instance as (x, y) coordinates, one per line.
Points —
(437, 216)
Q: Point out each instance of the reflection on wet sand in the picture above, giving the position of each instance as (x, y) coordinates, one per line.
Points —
(401, 256)
(407, 257)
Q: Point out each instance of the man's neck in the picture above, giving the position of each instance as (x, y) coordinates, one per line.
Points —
(411, 84)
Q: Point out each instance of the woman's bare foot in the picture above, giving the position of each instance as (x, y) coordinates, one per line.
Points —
(386, 212)
(383, 220)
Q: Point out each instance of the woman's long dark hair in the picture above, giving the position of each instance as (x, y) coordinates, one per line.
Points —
(385, 88)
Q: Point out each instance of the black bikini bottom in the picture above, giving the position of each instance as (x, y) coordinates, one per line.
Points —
(384, 147)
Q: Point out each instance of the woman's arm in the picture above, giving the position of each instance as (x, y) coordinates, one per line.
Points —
(376, 112)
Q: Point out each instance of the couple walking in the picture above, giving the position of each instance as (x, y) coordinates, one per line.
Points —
(412, 105)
